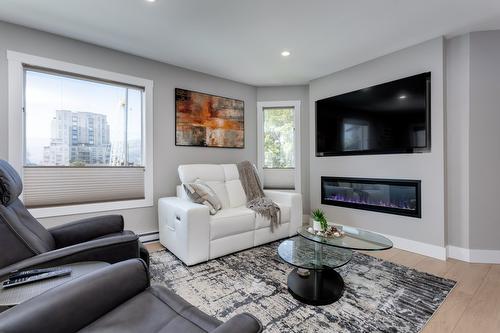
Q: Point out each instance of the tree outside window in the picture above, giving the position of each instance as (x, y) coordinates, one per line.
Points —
(279, 138)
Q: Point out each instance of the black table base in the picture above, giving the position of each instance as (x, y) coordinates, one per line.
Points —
(321, 287)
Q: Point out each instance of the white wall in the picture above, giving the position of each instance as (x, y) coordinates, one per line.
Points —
(428, 167)
(294, 93)
(166, 77)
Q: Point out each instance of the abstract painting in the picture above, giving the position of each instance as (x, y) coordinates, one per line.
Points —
(208, 121)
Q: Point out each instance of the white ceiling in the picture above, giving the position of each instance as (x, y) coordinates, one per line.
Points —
(242, 39)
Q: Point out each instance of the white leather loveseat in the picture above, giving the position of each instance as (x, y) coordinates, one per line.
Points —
(193, 235)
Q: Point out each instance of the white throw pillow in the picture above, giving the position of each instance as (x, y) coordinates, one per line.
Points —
(199, 192)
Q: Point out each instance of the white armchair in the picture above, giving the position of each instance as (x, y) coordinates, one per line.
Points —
(193, 235)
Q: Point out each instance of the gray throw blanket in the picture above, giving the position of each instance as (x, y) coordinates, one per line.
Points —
(256, 199)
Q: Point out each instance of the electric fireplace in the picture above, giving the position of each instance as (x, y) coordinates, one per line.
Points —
(393, 196)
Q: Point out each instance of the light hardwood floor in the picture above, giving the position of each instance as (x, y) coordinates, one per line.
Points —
(473, 306)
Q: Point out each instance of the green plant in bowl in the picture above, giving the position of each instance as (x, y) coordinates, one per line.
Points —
(319, 215)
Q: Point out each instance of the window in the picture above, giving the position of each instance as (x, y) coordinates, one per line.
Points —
(104, 120)
(279, 135)
(86, 134)
(355, 135)
(279, 144)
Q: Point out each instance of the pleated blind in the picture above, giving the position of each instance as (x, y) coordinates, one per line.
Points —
(59, 186)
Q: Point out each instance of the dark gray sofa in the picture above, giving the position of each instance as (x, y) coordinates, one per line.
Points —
(25, 243)
(117, 298)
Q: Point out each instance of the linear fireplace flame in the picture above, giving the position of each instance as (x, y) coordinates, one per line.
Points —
(401, 197)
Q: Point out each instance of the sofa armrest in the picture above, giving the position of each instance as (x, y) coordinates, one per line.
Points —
(79, 302)
(286, 198)
(184, 229)
(109, 249)
(294, 201)
(241, 323)
(86, 229)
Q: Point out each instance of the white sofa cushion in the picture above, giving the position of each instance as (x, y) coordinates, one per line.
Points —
(224, 179)
(236, 194)
(262, 222)
(231, 221)
(230, 171)
(188, 173)
(220, 190)
(264, 235)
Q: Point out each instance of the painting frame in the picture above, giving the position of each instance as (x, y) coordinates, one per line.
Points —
(240, 142)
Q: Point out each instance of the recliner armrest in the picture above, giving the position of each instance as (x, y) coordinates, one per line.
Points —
(72, 306)
(184, 229)
(87, 229)
(109, 249)
(241, 323)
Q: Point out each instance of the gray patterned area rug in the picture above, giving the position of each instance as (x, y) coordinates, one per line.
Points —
(379, 296)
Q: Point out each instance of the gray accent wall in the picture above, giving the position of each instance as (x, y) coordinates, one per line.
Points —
(484, 162)
(473, 138)
(428, 167)
(167, 156)
(457, 140)
(294, 93)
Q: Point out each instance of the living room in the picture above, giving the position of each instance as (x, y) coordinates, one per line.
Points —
(223, 166)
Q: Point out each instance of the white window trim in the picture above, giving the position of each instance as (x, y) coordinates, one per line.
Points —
(260, 137)
(16, 61)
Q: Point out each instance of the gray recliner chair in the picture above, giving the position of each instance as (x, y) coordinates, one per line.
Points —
(117, 298)
(25, 243)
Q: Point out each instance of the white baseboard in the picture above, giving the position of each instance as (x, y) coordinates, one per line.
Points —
(485, 256)
(474, 255)
(458, 253)
(425, 249)
(149, 237)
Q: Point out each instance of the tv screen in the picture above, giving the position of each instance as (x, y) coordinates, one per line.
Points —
(388, 118)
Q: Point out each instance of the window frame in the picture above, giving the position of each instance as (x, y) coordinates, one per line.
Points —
(16, 84)
(260, 137)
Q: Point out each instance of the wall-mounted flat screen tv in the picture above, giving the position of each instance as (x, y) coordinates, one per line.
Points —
(389, 118)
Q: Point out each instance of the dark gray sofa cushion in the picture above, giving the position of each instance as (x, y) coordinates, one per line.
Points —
(117, 298)
(155, 310)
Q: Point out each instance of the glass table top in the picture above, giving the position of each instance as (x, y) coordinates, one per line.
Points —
(354, 239)
(303, 253)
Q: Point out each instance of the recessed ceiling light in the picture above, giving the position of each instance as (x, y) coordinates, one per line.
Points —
(285, 53)
(402, 97)
(150, 0)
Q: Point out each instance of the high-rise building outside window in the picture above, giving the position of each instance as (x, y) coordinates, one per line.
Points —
(73, 121)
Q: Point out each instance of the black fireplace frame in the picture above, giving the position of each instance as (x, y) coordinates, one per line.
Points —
(417, 213)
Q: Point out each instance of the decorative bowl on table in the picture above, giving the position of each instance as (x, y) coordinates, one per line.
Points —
(330, 232)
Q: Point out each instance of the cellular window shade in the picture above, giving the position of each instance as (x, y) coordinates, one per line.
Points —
(59, 186)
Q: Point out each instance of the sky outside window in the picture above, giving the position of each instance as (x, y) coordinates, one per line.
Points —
(99, 110)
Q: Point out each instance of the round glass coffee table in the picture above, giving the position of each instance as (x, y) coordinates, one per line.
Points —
(314, 280)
